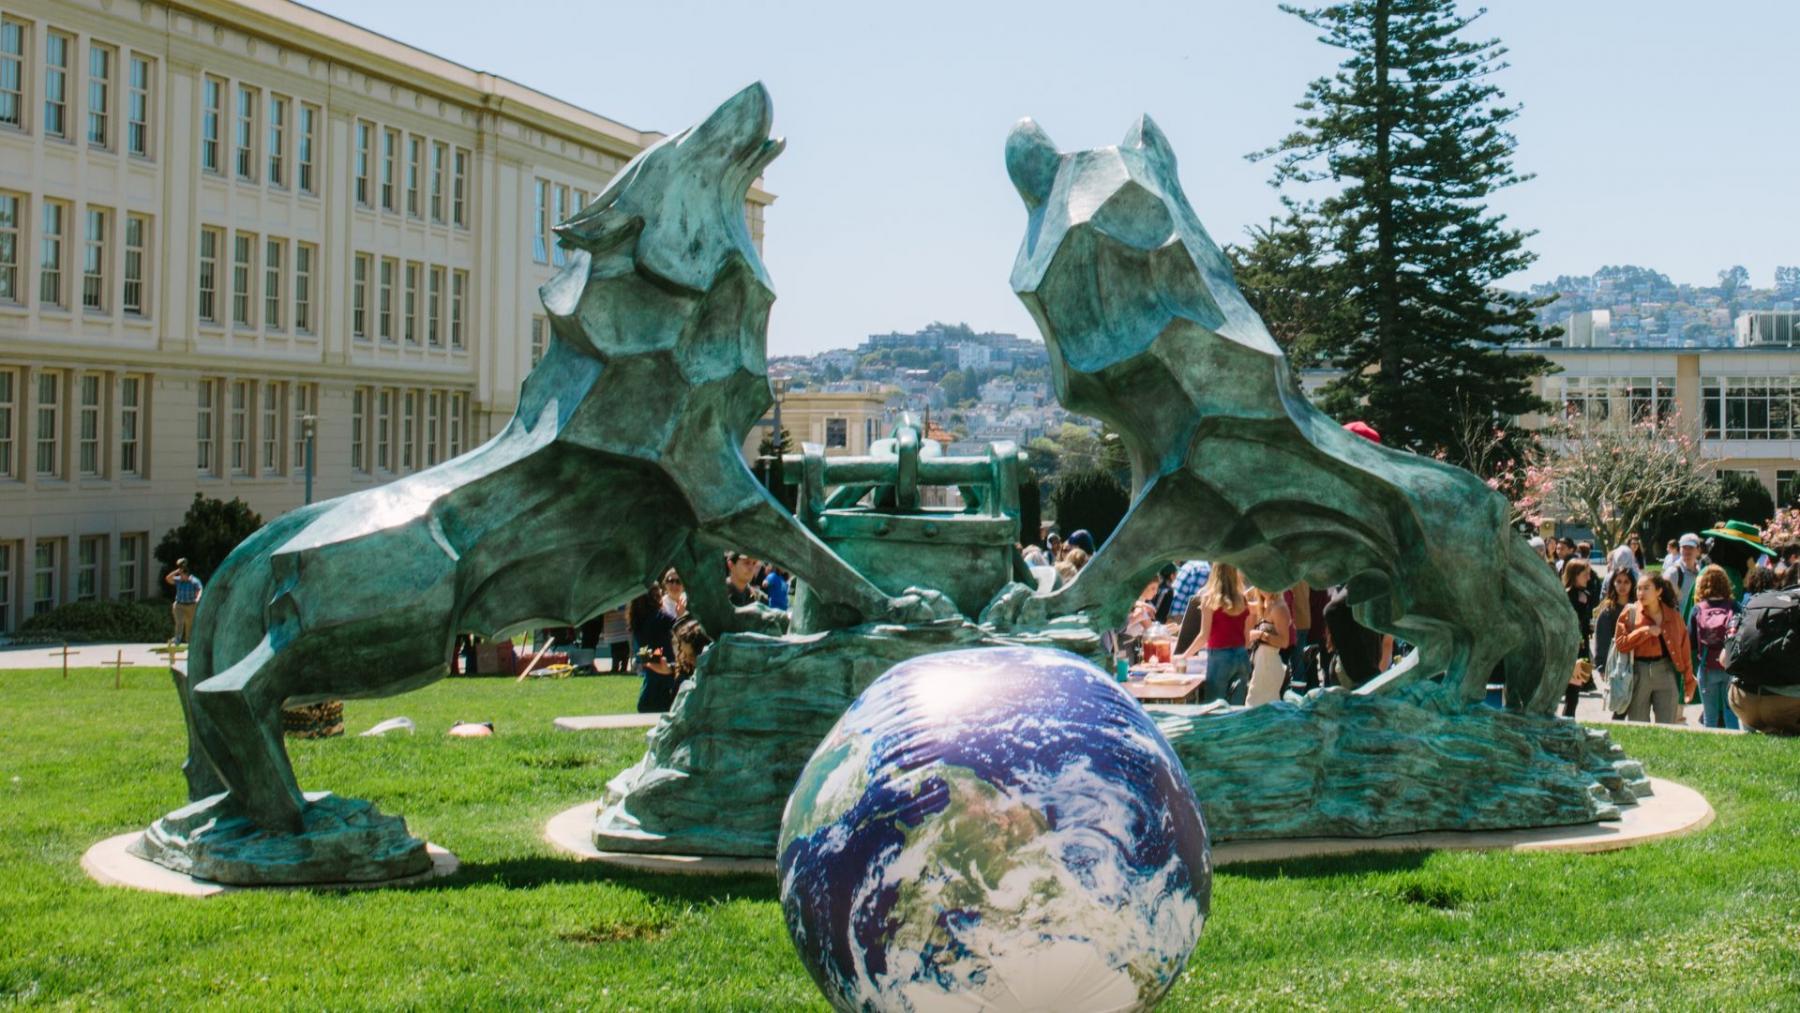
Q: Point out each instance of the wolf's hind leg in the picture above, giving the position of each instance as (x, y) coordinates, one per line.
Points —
(238, 719)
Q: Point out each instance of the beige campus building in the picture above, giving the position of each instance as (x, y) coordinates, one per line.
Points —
(222, 221)
(1742, 402)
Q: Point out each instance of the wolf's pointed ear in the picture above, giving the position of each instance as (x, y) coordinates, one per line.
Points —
(1146, 136)
(739, 124)
(1031, 161)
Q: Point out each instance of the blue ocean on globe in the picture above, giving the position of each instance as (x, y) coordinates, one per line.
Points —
(999, 828)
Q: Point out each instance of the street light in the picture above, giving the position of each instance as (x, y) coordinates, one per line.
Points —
(309, 425)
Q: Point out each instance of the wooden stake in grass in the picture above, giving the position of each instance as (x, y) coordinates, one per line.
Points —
(65, 658)
(118, 666)
(539, 656)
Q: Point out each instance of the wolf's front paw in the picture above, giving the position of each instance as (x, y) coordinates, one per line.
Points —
(920, 605)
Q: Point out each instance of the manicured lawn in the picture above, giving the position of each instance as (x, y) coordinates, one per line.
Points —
(1705, 922)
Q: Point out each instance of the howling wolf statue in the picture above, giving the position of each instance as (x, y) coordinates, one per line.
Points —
(622, 458)
(1146, 330)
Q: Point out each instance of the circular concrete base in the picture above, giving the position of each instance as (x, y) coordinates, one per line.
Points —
(1674, 810)
(110, 864)
(572, 832)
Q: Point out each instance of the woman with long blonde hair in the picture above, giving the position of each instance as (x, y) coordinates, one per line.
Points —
(1224, 629)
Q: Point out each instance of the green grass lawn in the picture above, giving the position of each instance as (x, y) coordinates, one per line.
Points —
(1710, 921)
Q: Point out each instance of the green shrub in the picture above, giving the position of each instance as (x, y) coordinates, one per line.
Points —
(100, 621)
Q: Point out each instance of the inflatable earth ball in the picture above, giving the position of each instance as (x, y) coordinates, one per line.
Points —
(1001, 828)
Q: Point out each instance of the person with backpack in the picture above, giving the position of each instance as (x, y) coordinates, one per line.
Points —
(1710, 625)
(1763, 657)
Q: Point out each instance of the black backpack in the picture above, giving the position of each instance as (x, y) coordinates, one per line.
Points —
(1765, 650)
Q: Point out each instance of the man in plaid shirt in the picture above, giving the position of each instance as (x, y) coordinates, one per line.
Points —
(1188, 582)
(187, 599)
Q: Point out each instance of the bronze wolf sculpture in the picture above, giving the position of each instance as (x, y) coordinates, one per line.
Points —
(1147, 330)
(623, 456)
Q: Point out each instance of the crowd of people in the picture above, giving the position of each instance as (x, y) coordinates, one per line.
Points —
(1673, 620)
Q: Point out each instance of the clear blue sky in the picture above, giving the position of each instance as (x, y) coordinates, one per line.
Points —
(1661, 132)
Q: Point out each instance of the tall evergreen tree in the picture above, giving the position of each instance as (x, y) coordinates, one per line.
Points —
(1391, 277)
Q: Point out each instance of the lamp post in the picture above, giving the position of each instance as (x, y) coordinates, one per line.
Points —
(779, 386)
(309, 425)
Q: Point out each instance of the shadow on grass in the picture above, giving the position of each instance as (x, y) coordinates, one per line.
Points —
(1315, 866)
(527, 873)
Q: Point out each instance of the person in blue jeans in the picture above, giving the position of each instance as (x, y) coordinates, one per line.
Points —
(1224, 629)
(1709, 626)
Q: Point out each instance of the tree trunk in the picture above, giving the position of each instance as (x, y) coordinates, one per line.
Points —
(1387, 299)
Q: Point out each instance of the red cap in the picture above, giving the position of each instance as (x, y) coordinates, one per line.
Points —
(1364, 430)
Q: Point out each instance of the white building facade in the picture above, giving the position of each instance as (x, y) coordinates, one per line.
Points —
(226, 224)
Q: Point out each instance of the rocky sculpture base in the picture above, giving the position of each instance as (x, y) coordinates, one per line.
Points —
(1339, 764)
(721, 764)
(346, 840)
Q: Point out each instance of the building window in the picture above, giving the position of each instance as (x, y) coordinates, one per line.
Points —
(303, 287)
(459, 286)
(87, 426)
(49, 425)
(1787, 488)
(1751, 408)
(246, 133)
(274, 283)
(271, 428)
(44, 576)
(440, 153)
(409, 424)
(359, 297)
(837, 433)
(203, 427)
(434, 309)
(540, 223)
(238, 431)
(459, 420)
(209, 275)
(558, 255)
(50, 255)
(415, 148)
(11, 240)
(131, 565)
(459, 185)
(6, 586)
(384, 427)
(101, 61)
(9, 406)
(411, 305)
(390, 151)
(303, 410)
(56, 84)
(434, 417)
(385, 316)
(137, 249)
(131, 407)
(277, 143)
(309, 147)
(539, 327)
(359, 421)
(93, 262)
(137, 107)
(365, 133)
(212, 126)
(87, 566)
(243, 268)
(12, 80)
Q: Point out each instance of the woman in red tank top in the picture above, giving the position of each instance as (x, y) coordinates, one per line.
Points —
(1224, 626)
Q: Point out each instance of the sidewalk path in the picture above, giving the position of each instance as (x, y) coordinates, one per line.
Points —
(82, 656)
(1592, 708)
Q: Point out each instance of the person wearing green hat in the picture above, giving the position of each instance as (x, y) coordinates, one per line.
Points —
(1734, 546)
